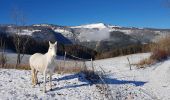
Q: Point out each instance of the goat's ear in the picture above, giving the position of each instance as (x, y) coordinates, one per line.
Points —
(49, 43)
(55, 43)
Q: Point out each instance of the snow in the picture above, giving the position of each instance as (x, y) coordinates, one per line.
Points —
(101, 26)
(126, 31)
(41, 25)
(64, 32)
(28, 32)
(140, 84)
(151, 83)
(114, 26)
(16, 85)
(23, 31)
(96, 25)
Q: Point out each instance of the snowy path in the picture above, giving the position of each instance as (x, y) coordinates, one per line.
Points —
(16, 85)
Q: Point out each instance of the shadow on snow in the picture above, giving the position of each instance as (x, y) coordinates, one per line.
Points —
(81, 77)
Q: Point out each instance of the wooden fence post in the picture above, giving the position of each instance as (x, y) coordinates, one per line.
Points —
(65, 58)
(129, 63)
(92, 64)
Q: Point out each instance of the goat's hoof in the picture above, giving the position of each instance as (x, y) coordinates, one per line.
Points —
(51, 89)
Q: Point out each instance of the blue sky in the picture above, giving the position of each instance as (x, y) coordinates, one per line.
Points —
(137, 13)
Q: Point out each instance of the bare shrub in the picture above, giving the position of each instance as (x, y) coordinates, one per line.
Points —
(19, 42)
(91, 76)
(3, 60)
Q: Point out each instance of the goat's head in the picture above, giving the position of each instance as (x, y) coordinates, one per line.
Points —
(52, 49)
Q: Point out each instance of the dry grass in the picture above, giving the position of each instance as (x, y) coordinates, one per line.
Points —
(61, 67)
(13, 66)
(160, 51)
(163, 44)
(59, 70)
(69, 66)
(63, 70)
(159, 55)
(145, 62)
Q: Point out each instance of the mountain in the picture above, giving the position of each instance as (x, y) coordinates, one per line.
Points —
(95, 35)
(100, 35)
(39, 33)
(100, 31)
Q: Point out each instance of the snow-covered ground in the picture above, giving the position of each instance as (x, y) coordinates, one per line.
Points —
(151, 83)
(16, 85)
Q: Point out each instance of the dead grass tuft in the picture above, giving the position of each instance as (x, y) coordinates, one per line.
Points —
(145, 62)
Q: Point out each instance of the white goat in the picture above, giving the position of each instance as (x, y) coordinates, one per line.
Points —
(43, 63)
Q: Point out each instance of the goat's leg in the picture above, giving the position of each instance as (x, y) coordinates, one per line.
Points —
(50, 82)
(44, 87)
(36, 79)
(33, 76)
